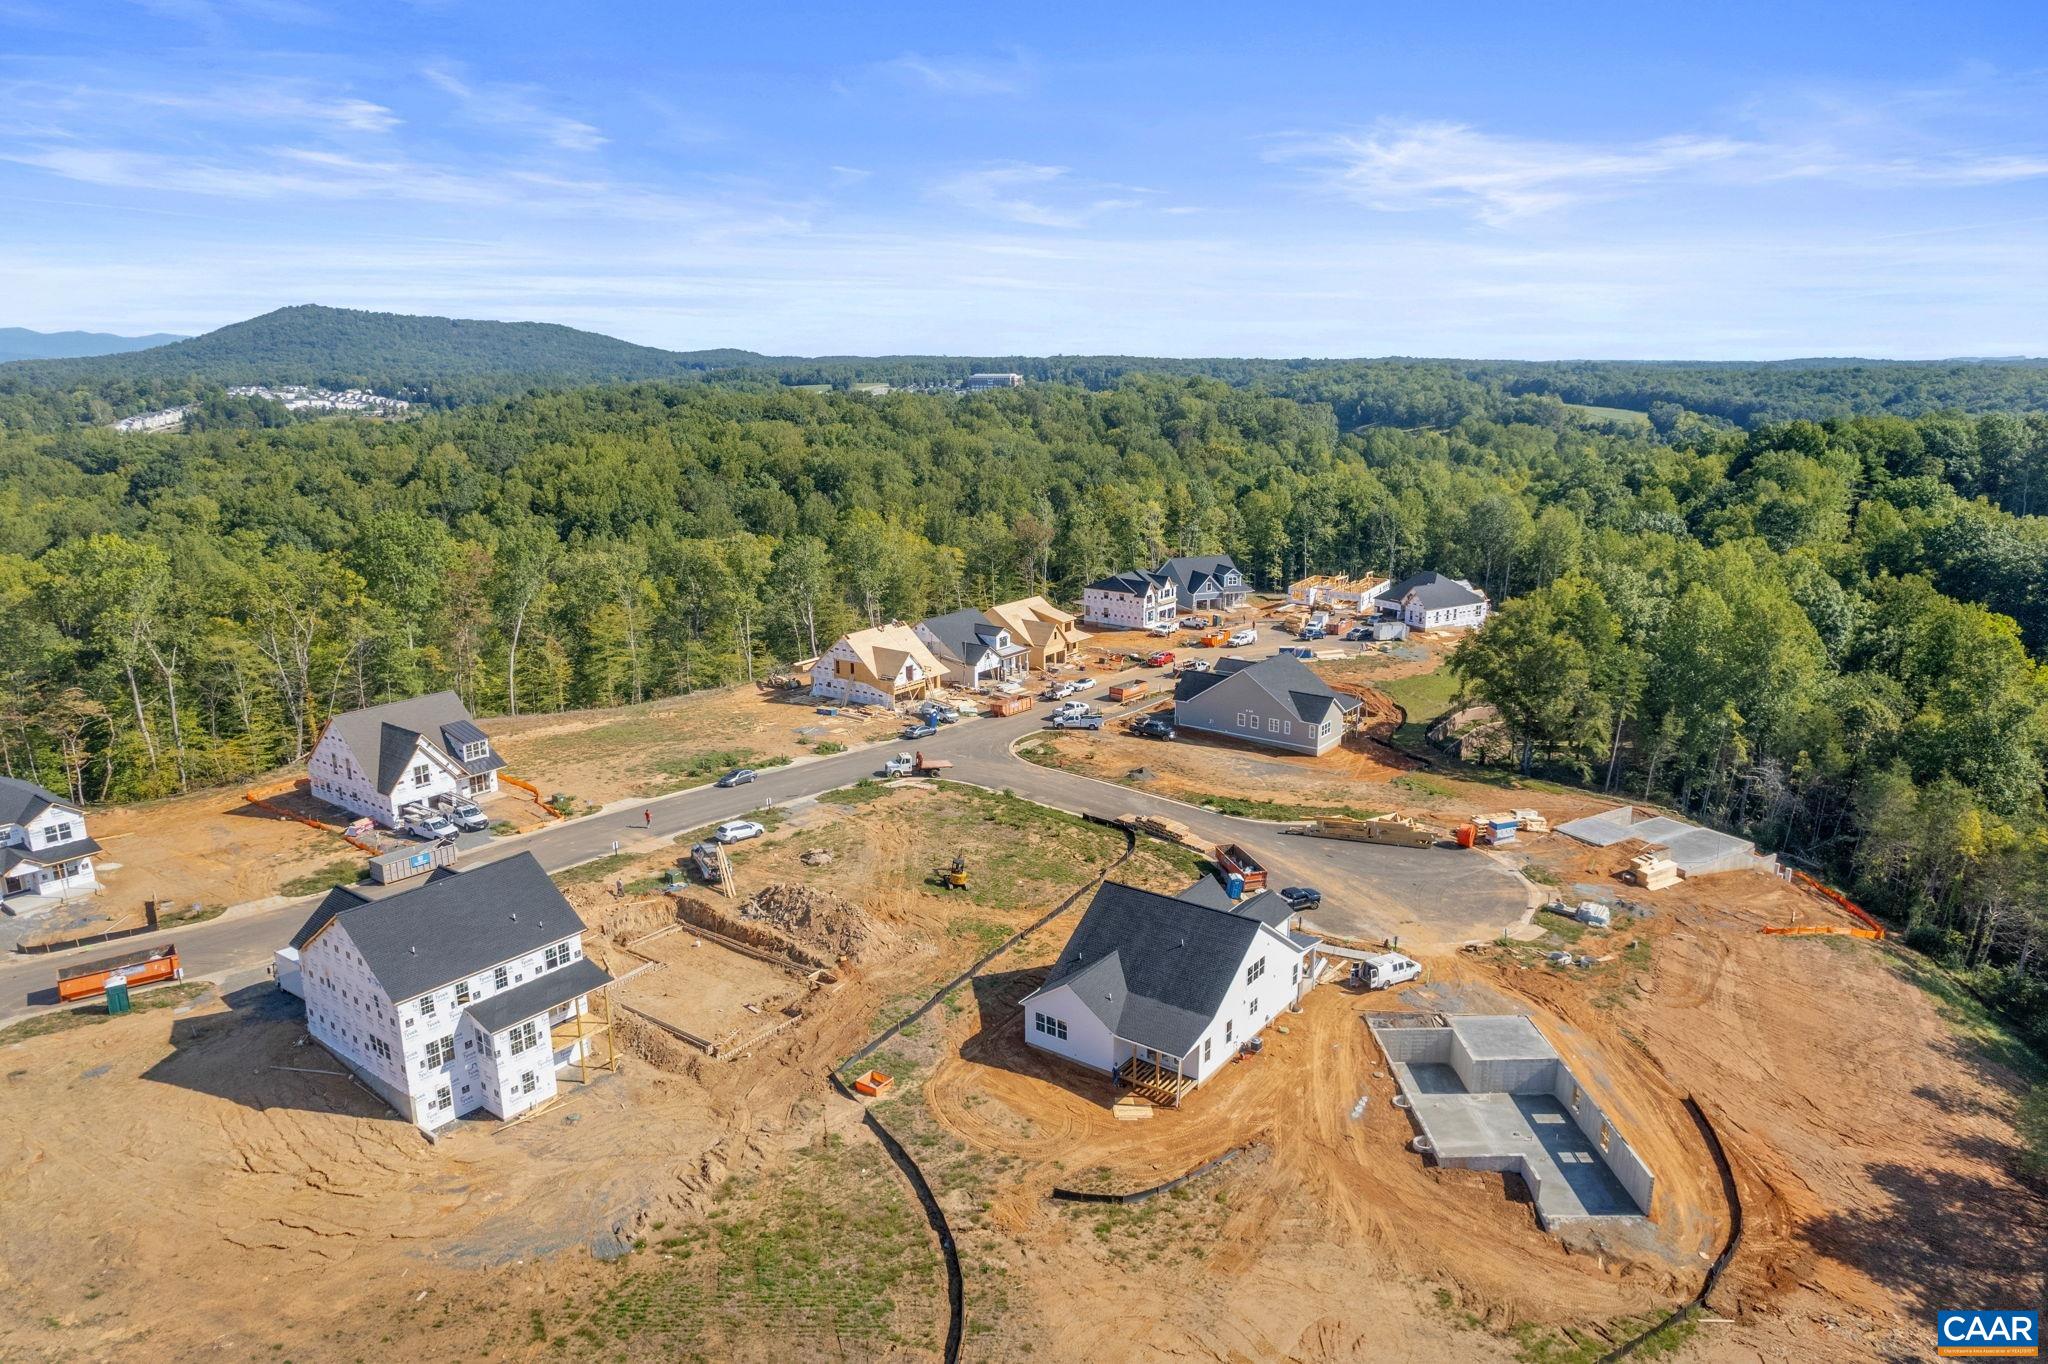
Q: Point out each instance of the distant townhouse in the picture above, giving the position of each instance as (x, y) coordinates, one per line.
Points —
(1206, 583)
(879, 666)
(1048, 632)
(978, 382)
(466, 992)
(381, 759)
(1134, 600)
(1431, 601)
(1160, 992)
(1276, 702)
(44, 848)
(973, 649)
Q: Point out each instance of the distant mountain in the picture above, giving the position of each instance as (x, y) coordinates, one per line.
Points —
(19, 343)
(343, 348)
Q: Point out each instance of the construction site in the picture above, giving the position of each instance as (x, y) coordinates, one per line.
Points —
(1692, 1086)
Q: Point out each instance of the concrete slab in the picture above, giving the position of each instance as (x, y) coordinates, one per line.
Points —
(1501, 1037)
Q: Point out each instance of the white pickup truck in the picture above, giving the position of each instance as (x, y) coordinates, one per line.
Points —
(1078, 719)
(1240, 638)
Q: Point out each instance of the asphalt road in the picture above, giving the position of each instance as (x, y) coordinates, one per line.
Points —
(1369, 891)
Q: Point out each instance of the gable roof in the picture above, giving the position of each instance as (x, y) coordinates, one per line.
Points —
(1267, 907)
(883, 650)
(450, 927)
(1434, 592)
(1197, 573)
(1135, 582)
(1154, 969)
(1033, 618)
(389, 734)
(967, 636)
(1282, 681)
(21, 801)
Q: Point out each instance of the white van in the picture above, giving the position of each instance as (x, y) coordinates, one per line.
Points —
(1384, 971)
(1240, 638)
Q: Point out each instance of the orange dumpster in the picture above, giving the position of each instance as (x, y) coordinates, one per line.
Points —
(1466, 833)
(873, 1083)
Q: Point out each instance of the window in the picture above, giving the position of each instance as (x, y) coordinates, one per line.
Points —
(524, 1036)
(462, 992)
(1051, 1027)
(558, 955)
(439, 1053)
(1251, 1006)
(1273, 724)
(58, 832)
(526, 1083)
(1208, 1047)
(420, 774)
(442, 1099)
(381, 1047)
(1228, 1026)
(1295, 978)
(499, 979)
(1255, 970)
(476, 749)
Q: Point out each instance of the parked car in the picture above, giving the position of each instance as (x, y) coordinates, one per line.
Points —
(1357, 633)
(1060, 691)
(424, 823)
(1197, 665)
(1240, 638)
(1302, 897)
(739, 830)
(1081, 684)
(1194, 622)
(739, 776)
(1160, 631)
(1312, 632)
(462, 812)
(1077, 720)
(1072, 708)
(1162, 658)
(938, 712)
(919, 731)
(1153, 727)
(1388, 968)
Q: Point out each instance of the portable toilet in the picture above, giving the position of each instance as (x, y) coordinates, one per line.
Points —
(1233, 882)
(117, 995)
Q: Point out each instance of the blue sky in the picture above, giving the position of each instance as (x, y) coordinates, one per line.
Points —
(1731, 181)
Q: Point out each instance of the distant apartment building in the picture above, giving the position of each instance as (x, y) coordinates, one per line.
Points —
(977, 382)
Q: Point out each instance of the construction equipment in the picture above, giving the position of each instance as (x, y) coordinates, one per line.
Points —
(954, 877)
(144, 967)
(899, 766)
(928, 767)
(713, 865)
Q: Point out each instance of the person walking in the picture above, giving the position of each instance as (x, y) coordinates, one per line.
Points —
(647, 819)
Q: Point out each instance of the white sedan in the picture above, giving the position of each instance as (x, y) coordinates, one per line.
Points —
(1081, 684)
(739, 830)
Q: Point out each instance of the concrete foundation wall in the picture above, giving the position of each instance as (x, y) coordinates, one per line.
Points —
(1415, 1046)
(1513, 1075)
(1620, 1158)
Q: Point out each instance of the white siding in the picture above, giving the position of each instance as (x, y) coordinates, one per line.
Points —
(1127, 610)
(1087, 1041)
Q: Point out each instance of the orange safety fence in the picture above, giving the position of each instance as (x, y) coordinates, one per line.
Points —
(1824, 930)
(1839, 901)
(262, 802)
(531, 790)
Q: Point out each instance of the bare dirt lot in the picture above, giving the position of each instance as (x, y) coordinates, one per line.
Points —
(193, 1187)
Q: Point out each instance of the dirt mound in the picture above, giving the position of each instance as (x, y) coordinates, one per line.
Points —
(816, 917)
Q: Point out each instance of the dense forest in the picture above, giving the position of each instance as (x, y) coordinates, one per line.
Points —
(1820, 633)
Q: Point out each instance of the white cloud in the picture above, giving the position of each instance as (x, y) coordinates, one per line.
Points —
(1397, 167)
(957, 75)
(1014, 193)
(515, 108)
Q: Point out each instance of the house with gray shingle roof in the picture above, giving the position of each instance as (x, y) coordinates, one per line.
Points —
(1206, 582)
(466, 991)
(1431, 601)
(1276, 702)
(1133, 600)
(44, 848)
(973, 649)
(1161, 991)
(381, 759)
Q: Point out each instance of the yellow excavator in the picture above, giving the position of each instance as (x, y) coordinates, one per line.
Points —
(955, 876)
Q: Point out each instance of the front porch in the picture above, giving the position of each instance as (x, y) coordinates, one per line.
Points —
(573, 1033)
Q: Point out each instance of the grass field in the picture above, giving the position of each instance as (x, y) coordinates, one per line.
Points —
(1624, 416)
(1424, 697)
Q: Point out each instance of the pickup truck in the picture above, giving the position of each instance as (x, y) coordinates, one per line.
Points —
(1240, 638)
(1077, 720)
(1163, 658)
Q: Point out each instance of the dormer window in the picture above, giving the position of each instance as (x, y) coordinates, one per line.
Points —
(476, 751)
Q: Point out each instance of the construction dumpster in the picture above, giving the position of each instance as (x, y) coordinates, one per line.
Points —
(1129, 691)
(1010, 705)
(409, 862)
(147, 966)
(1234, 861)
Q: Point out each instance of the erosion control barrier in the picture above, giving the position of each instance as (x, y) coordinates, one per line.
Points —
(262, 802)
(1839, 901)
(1140, 1195)
(956, 1291)
(530, 790)
(1715, 1270)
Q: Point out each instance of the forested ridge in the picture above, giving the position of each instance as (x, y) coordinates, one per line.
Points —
(1822, 634)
